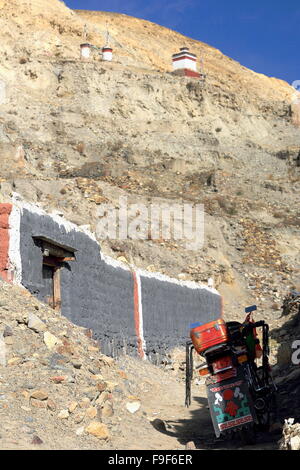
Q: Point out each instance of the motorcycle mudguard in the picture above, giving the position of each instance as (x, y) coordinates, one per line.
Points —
(230, 404)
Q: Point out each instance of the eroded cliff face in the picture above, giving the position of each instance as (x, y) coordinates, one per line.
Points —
(76, 134)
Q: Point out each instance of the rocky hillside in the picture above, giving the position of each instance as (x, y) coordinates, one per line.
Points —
(76, 134)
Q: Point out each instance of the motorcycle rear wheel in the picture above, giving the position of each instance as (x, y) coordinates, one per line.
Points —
(269, 416)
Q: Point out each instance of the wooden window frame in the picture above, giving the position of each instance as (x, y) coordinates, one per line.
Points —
(54, 263)
(54, 255)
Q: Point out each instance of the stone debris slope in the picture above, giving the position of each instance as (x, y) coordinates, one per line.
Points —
(51, 377)
(57, 391)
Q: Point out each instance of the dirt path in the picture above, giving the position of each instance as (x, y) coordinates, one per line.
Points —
(165, 422)
(162, 421)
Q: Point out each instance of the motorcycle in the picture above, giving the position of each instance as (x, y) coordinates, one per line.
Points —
(241, 395)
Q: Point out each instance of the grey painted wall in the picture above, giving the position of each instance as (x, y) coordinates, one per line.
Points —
(99, 296)
(169, 309)
(94, 294)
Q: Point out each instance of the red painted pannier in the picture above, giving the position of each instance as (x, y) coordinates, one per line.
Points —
(208, 335)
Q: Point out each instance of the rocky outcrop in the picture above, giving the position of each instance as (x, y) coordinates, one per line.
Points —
(291, 436)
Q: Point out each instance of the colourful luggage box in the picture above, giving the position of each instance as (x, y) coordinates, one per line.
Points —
(208, 335)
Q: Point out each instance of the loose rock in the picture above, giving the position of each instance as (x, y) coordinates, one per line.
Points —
(190, 446)
(98, 430)
(72, 406)
(37, 440)
(39, 394)
(133, 406)
(51, 341)
(91, 412)
(7, 331)
(51, 405)
(63, 414)
(107, 410)
(80, 431)
(35, 323)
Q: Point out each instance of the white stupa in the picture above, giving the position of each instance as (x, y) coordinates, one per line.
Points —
(107, 53)
(185, 63)
(85, 51)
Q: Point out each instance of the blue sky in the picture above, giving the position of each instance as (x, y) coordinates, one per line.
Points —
(262, 35)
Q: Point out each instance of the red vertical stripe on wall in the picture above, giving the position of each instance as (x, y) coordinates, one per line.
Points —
(5, 210)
